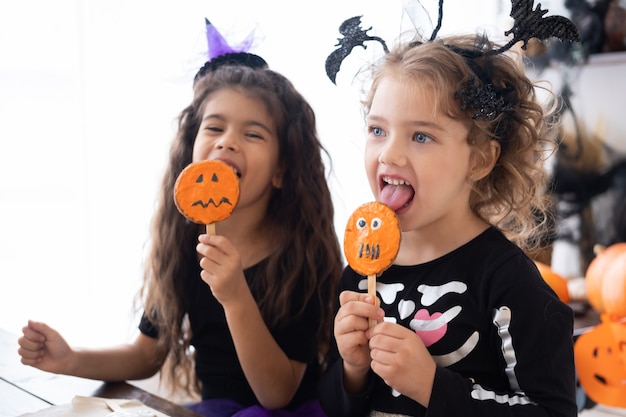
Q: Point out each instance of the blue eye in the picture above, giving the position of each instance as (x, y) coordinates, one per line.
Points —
(361, 223)
(376, 223)
(376, 131)
(421, 138)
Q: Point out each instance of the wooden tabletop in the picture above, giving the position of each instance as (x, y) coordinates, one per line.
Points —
(585, 317)
(24, 389)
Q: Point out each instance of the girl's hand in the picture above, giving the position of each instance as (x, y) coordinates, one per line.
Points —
(221, 267)
(351, 333)
(43, 348)
(400, 358)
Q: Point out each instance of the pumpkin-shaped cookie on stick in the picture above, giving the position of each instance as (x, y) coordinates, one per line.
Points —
(371, 242)
(207, 192)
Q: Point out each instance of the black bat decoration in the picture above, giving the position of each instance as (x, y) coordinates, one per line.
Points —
(353, 35)
(529, 23)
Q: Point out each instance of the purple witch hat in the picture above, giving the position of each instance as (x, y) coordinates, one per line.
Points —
(221, 53)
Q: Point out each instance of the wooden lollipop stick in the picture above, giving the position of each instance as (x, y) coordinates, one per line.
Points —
(371, 290)
(210, 229)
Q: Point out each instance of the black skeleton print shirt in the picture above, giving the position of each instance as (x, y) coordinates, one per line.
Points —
(501, 338)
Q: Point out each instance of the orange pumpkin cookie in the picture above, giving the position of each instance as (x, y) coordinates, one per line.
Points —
(372, 238)
(206, 192)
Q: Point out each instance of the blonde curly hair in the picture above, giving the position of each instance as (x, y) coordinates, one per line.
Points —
(512, 197)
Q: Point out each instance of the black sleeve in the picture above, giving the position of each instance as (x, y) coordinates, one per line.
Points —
(525, 368)
(538, 353)
(146, 327)
(333, 397)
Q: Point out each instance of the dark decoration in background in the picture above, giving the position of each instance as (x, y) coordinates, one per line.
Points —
(588, 183)
(589, 177)
(615, 28)
(590, 22)
(597, 197)
(602, 28)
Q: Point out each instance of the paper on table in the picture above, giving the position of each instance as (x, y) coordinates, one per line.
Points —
(98, 407)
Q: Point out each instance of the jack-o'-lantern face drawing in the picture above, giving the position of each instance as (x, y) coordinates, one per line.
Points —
(600, 356)
(207, 191)
(372, 238)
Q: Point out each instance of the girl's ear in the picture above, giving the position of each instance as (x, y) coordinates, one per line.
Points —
(277, 179)
(484, 162)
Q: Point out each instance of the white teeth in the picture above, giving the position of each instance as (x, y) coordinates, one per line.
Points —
(237, 173)
(394, 181)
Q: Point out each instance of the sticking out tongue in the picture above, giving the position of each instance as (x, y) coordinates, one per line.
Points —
(396, 196)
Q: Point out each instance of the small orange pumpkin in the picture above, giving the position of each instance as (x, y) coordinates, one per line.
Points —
(601, 362)
(206, 192)
(372, 238)
(605, 280)
(557, 282)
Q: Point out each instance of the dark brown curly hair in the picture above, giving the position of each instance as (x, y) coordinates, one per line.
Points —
(299, 215)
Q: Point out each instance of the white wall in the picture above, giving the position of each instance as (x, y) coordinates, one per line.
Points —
(89, 93)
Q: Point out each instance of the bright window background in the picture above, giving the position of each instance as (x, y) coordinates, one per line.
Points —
(89, 94)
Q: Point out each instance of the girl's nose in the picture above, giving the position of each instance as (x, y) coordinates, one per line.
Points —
(393, 152)
(227, 141)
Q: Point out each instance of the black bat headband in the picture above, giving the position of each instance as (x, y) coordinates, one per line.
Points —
(353, 36)
(484, 98)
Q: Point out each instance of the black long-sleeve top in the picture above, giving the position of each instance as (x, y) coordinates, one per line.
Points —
(501, 338)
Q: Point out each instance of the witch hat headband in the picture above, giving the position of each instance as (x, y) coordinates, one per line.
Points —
(221, 53)
(484, 98)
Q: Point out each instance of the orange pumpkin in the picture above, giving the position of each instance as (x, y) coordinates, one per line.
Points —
(557, 282)
(601, 363)
(207, 192)
(372, 238)
(605, 280)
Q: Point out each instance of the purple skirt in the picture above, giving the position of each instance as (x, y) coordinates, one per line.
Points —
(218, 407)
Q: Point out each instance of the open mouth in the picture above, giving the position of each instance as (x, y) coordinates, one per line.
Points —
(232, 165)
(237, 172)
(396, 193)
